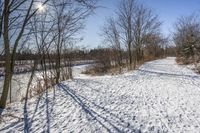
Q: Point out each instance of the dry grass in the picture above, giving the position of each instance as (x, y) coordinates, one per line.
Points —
(99, 70)
(40, 86)
(184, 61)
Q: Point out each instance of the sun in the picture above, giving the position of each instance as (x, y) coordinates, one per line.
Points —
(40, 7)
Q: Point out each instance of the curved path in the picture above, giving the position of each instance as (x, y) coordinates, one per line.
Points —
(159, 97)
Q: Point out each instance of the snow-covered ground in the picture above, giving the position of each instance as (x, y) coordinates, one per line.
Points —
(158, 97)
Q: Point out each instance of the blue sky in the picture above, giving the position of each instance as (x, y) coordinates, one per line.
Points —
(168, 11)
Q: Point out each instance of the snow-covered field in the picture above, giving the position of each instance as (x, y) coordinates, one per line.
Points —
(158, 97)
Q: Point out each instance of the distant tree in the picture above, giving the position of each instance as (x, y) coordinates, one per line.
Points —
(111, 35)
(155, 46)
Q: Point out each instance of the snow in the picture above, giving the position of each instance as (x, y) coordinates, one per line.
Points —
(20, 81)
(160, 96)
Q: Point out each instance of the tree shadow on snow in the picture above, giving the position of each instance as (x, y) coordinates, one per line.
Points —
(106, 119)
(44, 105)
(28, 120)
(169, 74)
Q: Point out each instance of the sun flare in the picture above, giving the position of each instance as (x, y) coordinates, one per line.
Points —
(40, 7)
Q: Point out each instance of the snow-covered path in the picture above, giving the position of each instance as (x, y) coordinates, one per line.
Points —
(159, 97)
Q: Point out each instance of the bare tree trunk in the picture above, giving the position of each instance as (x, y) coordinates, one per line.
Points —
(10, 90)
(8, 74)
(58, 59)
(6, 85)
(130, 55)
(126, 14)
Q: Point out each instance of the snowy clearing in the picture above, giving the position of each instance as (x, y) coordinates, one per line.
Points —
(159, 97)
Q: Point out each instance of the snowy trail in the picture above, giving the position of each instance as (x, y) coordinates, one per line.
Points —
(160, 96)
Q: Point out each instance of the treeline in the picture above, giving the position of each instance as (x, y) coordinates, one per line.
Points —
(74, 54)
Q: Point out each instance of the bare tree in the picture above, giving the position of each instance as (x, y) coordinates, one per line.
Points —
(145, 23)
(111, 35)
(52, 31)
(136, 23)
(69, 22)
(125, 15)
